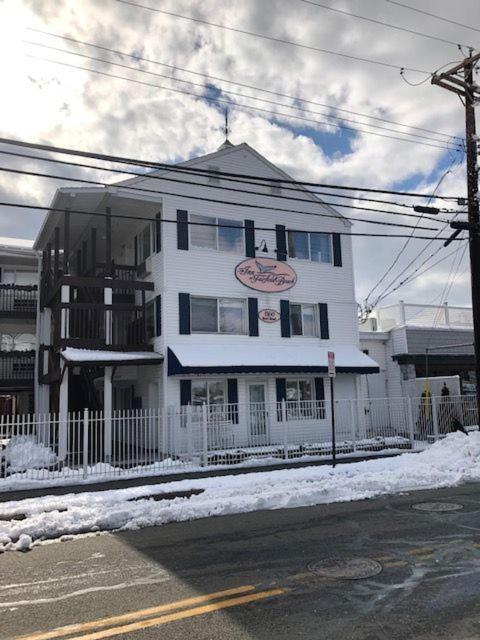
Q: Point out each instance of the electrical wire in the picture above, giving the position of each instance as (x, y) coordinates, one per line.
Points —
(380, 22)
(207, 185)
(232, 103)
(433, 15)
(138, 58)
(209, 172)
(271, 38)
(39, 174)
(49, 209)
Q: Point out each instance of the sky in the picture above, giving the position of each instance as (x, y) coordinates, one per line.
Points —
(54, 104)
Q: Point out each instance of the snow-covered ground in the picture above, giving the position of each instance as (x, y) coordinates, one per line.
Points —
(449, 462)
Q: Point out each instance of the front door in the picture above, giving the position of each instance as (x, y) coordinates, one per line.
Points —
(257, 412)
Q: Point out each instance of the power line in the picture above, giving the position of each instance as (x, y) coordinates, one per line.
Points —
(235, 82)
(210, 186)
(35, 207)
(204, 199)
(406, 243)
(433, 15)
(336, 119)
(232, 103)
(383, 24)
(208, 172)
(273, 38)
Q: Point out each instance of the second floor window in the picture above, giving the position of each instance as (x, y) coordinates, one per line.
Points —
(303, 319)
(316, 247)
(229, 238)
(218, 315)
(144, 242)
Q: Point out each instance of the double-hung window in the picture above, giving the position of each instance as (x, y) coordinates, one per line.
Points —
(217, 315)
(300, 400)
(145, 241)
(227, 236)
(303, 319)
(316, 247)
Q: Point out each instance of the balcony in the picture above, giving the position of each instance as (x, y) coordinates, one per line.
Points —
(18, 301)
(17, 369)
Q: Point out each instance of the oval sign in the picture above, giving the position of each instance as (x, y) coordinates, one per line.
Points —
(266, 274)
(269, 315)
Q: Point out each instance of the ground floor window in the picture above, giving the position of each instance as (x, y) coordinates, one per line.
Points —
(210, 392)
(300, 400)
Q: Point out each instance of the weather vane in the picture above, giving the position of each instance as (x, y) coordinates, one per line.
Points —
(226, 123)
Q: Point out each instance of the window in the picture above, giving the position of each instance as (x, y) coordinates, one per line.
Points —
(276, 188)
(300, 400)
(19, 277)
(316, 247)
(228, 238)
(144, 242)
(303, 319)
(208, 392)
(213, 179)
(217, 315)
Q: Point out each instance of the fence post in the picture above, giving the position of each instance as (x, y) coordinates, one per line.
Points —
(285, 429)
(410, 421)
(85, 442)
(434, 418)
(353, 426)
(204, 436)
(188, 410)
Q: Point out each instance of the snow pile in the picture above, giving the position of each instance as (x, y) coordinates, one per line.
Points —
(449, 462)
(23, 452)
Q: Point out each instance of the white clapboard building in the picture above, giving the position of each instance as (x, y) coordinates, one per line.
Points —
(188, 287)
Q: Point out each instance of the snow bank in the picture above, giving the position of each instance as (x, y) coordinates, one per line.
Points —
(449, 462)
(23, 452)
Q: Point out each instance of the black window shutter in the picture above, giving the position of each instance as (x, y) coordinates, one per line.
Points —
(158, 316)
(232, 399)
(135, 248)
(185, 392)
(281, 235)
(184, 313)
(158, 232)
(285, 318)
(182, 230)
(319, 389)
(324, 330)
(249, 239)
(281, 387)
(337, 249)
(252, 317)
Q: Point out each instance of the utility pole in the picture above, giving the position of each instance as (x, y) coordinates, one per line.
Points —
(459, 80)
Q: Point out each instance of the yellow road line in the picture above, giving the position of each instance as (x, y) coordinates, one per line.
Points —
(134, 615)
(419, 551)
(399, 563)
(179, 615)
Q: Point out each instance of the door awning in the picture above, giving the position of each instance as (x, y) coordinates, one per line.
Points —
(254, 358)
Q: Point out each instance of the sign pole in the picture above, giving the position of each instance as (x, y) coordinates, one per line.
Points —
(331, 374)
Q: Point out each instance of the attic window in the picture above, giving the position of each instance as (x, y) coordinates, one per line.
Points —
(276, 188)
(213, 179)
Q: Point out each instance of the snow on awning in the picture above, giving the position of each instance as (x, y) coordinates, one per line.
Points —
(252, 358)
(109, 358)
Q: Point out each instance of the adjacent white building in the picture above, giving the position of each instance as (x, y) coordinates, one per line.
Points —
(162, 290)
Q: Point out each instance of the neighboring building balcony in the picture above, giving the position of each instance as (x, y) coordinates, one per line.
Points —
(421, 315)
(18, 301)
(17, 369)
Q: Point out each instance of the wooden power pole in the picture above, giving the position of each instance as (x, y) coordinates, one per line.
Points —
(459, 80)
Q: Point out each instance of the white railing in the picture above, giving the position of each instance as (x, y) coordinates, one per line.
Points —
(423, 315)
(176, 439)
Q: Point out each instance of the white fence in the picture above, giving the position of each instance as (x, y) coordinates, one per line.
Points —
(176, 439)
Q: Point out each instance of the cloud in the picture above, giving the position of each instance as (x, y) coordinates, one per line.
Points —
(69, 107)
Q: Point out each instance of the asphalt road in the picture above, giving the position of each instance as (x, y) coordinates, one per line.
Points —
(248, 576)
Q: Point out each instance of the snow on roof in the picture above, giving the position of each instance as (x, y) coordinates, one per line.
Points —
(268, 355)
(16, 243)
(90, 355)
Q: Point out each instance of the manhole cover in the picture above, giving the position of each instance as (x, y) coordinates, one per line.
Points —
(437, 506)
(346, 568)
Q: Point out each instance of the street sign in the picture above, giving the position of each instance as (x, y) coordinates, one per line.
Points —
(331, 365)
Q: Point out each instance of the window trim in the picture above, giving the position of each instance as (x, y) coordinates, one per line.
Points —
(316, 319)
(215, 219)
(244, 331)
(309, 246)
